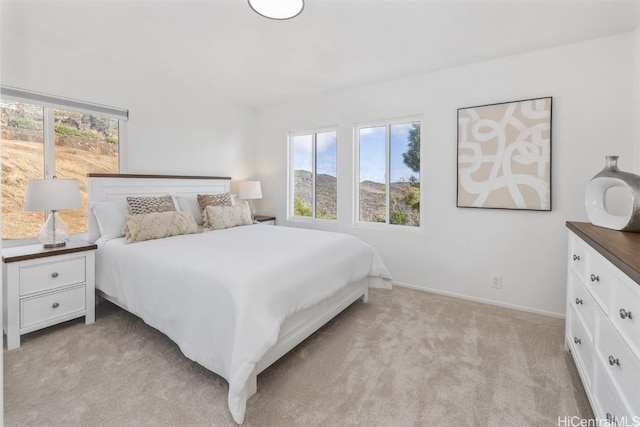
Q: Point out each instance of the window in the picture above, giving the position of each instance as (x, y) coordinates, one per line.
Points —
(388, 165)
(313, 186)
(43, 136)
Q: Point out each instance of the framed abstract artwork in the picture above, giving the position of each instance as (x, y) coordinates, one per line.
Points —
(504, 155)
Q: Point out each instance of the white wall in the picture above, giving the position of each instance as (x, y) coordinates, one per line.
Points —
(461, 248)
(173, 128)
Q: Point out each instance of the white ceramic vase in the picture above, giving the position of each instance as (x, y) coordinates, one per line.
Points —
(595, 197)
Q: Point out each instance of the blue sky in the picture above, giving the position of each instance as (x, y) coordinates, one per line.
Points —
(372, 153)
(326, 153)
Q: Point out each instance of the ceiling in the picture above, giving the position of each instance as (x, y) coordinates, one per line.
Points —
(223, 47)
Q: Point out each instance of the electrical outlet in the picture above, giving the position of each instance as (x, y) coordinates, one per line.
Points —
(496, 281)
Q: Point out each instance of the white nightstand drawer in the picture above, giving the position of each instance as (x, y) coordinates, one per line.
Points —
(577, 256)
(625, 311)
(581, 300)
(600, 280)
(581, 345)
(608, 404)
(50, 306)
(51, 275)
(618, 362)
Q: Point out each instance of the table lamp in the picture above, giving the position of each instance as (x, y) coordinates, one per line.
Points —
(250, 190)
(53, 195)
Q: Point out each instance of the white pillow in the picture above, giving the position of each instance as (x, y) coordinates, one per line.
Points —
(190, 204)
(110, 217)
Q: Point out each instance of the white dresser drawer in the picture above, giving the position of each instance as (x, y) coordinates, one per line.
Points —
(44, 308)
(608, 404)
(577, 255)
(600, 279)
(43, 276)
(582, 301)
(625, 311)
(581, 345)
(619, 363)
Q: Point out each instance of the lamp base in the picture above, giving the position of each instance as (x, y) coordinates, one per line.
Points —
(54, 245)
(54, 233)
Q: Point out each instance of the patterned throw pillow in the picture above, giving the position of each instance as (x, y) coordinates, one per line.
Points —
(157, 225)
(144, 205)
(222, 199)
(219, 217)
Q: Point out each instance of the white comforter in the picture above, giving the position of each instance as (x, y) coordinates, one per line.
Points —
(223, 295)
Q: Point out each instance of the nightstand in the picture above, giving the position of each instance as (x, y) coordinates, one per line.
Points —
(43, 287)
(265, 219)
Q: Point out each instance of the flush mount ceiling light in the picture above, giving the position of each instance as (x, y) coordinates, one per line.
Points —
(277, 9)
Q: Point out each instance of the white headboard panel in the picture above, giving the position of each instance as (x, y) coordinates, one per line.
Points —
(108, 187)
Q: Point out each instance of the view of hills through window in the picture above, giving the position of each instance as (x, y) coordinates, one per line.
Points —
(395, 148)
(315, 154)
(83, 143)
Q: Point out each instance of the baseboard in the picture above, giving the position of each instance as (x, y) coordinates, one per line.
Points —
(480, 300)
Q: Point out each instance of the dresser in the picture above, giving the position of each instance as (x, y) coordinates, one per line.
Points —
(43, 287)
(603, 319)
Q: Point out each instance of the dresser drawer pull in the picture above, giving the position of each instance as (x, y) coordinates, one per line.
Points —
(54, 275)
(610, 417)
(576, 257)
(614, 361)
(625, 314)
(595, 278)
(55, 305)
(578, 301)
(577, 340)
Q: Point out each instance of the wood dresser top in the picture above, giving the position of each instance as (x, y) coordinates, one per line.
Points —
(622, 249)
(23, 253)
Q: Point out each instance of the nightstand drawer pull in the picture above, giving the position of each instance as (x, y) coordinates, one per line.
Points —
(576, 257)
(624, 314)
(595, 278)
(578, 301)
(614, 361)
(54, 274)
(55, 305)
(577, 340)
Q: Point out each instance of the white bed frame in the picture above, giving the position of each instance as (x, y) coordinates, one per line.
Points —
(295, 329)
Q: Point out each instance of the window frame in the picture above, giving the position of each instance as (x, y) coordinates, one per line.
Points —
(49, 104)
(291, 216)
(387, 123)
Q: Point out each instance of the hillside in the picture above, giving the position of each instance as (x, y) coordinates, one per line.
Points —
(84, 143)
(22, 160)
(372, 198)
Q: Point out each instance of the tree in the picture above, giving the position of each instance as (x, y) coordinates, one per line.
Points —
(411, 157)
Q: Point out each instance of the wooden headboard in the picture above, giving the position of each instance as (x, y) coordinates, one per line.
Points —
(107, 187)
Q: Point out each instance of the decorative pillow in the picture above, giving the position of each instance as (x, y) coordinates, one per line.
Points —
(144, 205)
(222, 199)
(157, 225)
(219, 217)
(110, 218)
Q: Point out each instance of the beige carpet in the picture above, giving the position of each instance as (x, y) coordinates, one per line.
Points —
(406, 358)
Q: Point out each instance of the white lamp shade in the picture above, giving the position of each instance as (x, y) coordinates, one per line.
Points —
(248, 190)
(52, 194)
(277, 9)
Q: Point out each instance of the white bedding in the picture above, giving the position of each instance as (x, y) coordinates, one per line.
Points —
(223, 295)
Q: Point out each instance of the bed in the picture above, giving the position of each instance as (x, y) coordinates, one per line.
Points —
(234, 300)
